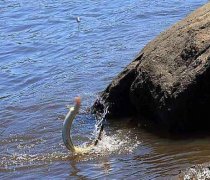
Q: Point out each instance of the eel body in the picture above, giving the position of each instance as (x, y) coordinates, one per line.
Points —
(66, 131)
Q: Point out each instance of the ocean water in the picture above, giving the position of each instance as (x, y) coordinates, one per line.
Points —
(47, 58)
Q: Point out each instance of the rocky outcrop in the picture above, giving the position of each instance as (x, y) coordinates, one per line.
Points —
(168, 83)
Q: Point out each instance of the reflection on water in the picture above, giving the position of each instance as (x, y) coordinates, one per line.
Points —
(47, 58)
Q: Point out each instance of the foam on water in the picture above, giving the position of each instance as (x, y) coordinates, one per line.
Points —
(111, 143)
(115, 143)
(197, 172)
(19, 161)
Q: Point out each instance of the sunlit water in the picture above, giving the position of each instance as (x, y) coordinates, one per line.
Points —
(47, 58)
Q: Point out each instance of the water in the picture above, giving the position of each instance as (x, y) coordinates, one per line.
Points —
(47, 58)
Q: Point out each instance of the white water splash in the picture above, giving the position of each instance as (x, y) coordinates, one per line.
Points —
(198, 172)
(119, 143)
(115, 143)
(100, 122)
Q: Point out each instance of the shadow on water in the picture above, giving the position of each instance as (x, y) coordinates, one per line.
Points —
(163, 132)
(169, 154)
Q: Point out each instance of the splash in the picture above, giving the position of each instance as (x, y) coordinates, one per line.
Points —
(196, 172)
(99, 124)
(116, 143)
(121, 142)
(17, 161)
(109, 143)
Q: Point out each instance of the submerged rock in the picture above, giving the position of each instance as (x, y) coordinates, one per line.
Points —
(168, 83)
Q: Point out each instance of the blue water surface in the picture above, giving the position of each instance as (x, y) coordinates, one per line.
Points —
(47, 58)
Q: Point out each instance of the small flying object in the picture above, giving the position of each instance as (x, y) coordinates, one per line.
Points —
(78, 19)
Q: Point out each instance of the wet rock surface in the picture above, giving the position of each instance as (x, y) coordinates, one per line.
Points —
(168, 83)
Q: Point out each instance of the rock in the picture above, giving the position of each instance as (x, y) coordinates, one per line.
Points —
(168, 83)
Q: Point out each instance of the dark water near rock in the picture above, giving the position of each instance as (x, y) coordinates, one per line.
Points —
(47, 58)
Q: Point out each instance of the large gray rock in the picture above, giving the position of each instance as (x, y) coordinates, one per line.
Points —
(168, 83)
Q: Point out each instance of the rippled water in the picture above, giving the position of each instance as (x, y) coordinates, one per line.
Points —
(47, 58)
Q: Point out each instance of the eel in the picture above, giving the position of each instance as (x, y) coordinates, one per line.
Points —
(66, 131)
